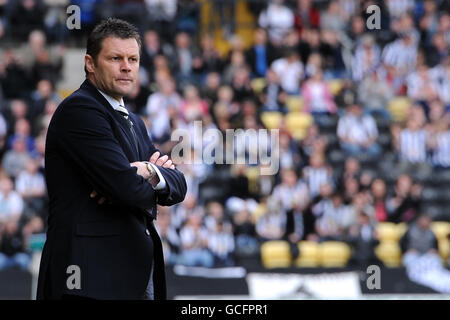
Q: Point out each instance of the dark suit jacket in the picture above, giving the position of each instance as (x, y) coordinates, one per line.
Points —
(89, 147)
(271, 55)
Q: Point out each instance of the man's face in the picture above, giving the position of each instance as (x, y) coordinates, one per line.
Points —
(116, 69)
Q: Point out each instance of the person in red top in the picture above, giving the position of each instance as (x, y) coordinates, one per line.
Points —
(306, 16)
(378, 189)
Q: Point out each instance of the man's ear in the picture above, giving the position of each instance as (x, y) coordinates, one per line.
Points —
(89, 63)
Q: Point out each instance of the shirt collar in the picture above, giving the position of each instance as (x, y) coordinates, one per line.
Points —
(113, 102)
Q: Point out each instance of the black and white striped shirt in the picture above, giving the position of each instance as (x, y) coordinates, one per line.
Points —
(365, 61)
(398, 7)
(441, 153)
(413, 145)
(400, 55)
(315, 178)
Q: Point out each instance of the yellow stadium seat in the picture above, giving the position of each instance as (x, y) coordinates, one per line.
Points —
(258, 85)
(309, 254)
(297, 123)
(272, 119)
(390, 253)
(64, 93)
(402, 228)
(444, 249)
(441, 229)
(398, 107)
(276, 254)
(335, 86)
(334, 254)
(388, 231)
(294, 103)
(252, 174)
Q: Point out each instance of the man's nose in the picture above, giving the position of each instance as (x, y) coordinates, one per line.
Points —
(125, 66)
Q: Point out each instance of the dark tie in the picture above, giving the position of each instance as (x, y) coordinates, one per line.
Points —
(124, 113)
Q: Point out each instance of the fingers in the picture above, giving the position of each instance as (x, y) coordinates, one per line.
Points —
(134, 164)
(167, 164)
(94, 194)
(154, 157)
(162, 160)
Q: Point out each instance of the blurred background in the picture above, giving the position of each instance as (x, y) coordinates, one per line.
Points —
(363, 119)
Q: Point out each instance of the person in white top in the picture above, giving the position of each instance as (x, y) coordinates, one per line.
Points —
(11, 203)
(290, 71)
(278, 19)
(357, 132)
(161, 106)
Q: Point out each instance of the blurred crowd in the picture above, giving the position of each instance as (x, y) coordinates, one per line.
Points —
(377, 148)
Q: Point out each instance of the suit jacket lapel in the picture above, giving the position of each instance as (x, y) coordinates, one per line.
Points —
(123, 125)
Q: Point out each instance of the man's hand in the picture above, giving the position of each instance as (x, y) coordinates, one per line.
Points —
(142, 169)
(94, 194)
(164, 161)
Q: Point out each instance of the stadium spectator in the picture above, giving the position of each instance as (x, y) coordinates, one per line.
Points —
(273, 97)
(306, 16)
(169, 237)
(161, 107)
(358, 132)
(333, 18)
(313, 142)
(421, 257)
(317, 96)
(440, 144)
(330, 214)
(193, 107)
(375, 95)
(11, 203)
(237, 61)
(210, 56)
(362, 237)
(194, 243)
(278, 19)
(404, 202)
(183, 58)
(38, 101)
(242, 89)
(22, 131)
(366, 57)
(221, 245)
(290, 71)
(30, 184)
(26, 16)
(290, 188)
(261, 55)
(379, 192)
(14, 160)
(316, 173)
(12, 248)
(244, 231)
(401, 53)
(160, 14)
(411, 144)
(13, 76)
(272, 223)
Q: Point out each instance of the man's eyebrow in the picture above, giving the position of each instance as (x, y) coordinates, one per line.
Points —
(121, 54)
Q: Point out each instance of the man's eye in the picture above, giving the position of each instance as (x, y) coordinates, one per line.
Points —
(115, 58)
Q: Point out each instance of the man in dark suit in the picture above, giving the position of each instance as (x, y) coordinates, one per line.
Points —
(261, 55)
(101, 241)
